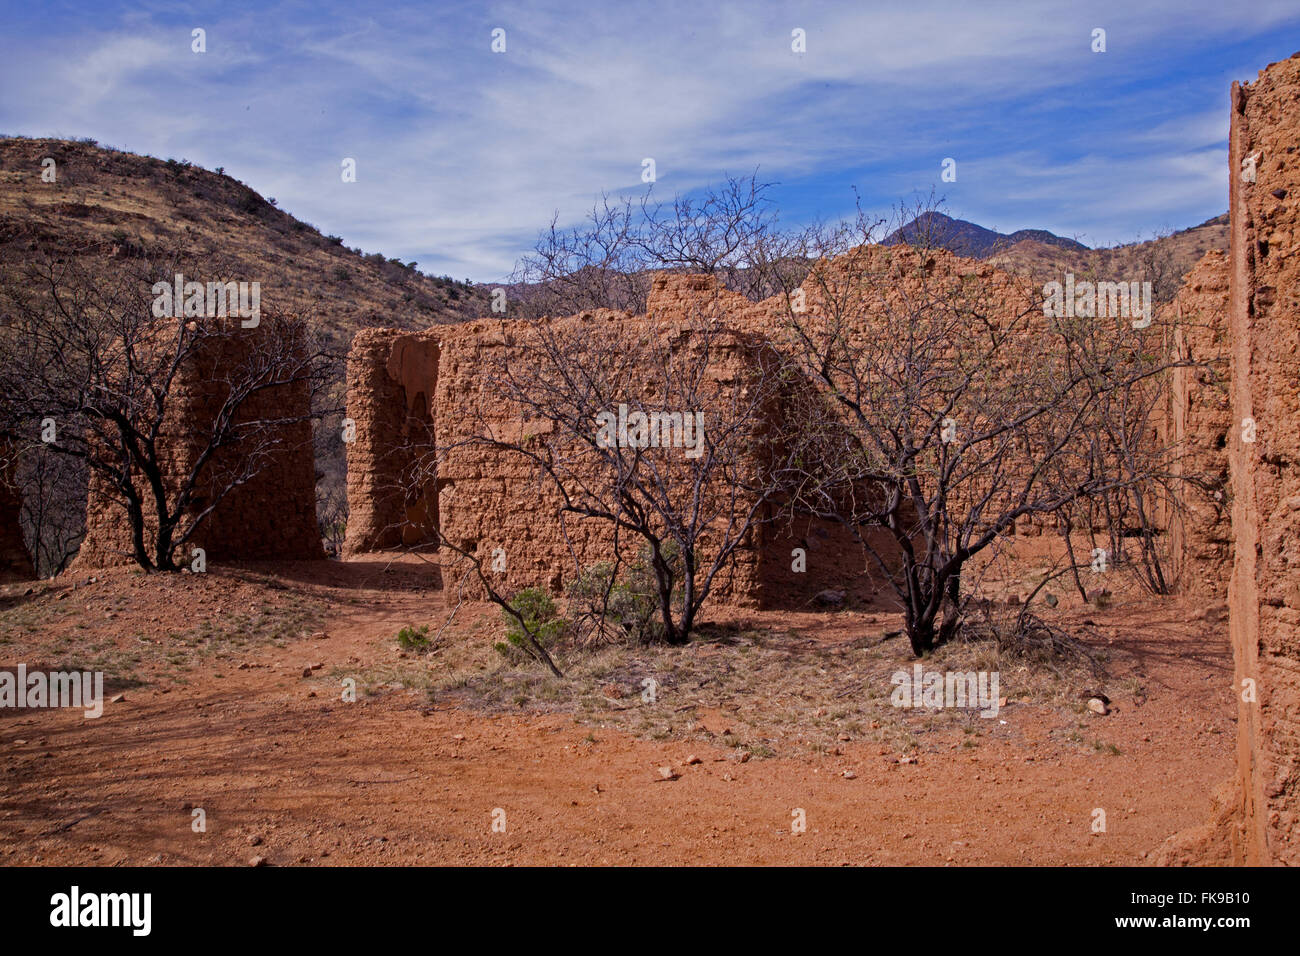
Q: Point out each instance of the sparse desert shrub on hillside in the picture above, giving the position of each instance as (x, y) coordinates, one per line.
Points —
(250, 202)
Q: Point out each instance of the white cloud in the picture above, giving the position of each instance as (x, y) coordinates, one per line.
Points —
(464, 154)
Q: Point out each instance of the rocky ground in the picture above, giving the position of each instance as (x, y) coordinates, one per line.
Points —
(228, 699)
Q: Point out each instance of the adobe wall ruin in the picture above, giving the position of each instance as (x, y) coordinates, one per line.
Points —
(1264, 330)
(392, 377)
(492, 504)
(490, 501)
(1199, 419)
(271, 515)
(496, 503)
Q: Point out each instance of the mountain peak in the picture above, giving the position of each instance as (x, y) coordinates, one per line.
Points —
(967, 238)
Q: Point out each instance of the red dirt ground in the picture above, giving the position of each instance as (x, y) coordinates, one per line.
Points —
(286, 771)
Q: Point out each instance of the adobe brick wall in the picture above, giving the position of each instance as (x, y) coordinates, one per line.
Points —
(903, 279)
(1200, 418)
(1264, 330)
(488, 499)
(271, 516)
(15, 561)
(392, 378)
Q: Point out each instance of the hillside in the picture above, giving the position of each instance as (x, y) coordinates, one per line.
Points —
(107, 206)
(123, 205)
(1163, 261)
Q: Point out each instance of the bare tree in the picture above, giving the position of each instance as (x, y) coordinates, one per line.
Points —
(52, 487)
(85, 353)
(949, 409)
(730, 230)
(657, 433)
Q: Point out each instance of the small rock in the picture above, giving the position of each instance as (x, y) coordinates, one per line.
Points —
(830, 598)
(257, 861)
(255, 840)
(1098, 706)
(1279, 194)
(457, 736)
(744, 756)
(666, 773)
(844, 737)
(118, 699)
(243, 666)
(1050, 599)
(907, 759)
(306, 672)
(849, 775)
(318, 636)
(1013, 600)
(692, 760)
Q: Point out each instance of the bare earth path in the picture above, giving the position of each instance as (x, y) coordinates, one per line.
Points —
(284, 770)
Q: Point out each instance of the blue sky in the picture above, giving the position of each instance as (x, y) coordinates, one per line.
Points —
(464, 154)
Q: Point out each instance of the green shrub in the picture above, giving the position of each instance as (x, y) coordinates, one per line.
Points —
(415, 639)
(625, 610)
(537, 609)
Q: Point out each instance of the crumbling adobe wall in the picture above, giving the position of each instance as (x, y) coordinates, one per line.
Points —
(492, 502)
(392, 379)
(868, 294)
(270, 515)
(1199, 420)
(489, 499)
(1264, 330)
(495, 503)
(15, 562)
(831, 564)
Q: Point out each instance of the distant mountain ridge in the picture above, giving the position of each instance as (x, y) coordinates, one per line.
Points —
(1162, 259)
(970, 239)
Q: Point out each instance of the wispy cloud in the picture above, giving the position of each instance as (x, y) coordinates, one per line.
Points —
(464, 154)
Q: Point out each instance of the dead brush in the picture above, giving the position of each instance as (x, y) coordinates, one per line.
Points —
(1019, 635)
